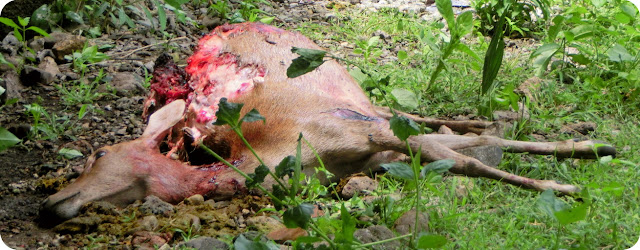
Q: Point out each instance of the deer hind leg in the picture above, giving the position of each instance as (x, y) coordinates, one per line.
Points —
(432, 150)
(567, 148)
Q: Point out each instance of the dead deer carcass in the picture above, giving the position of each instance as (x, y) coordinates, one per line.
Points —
(246, 63)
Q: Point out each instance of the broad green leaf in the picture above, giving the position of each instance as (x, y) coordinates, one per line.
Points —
(558, 24)
(39, 30)
(286, 166)
(242, 243)
(628, 8)
(439, 167)
(228, 113)
(298, 216)
(493, 58)
(464, 23)
(279, 193)
(373, 41)
(542, 56)
(619, 54)
(253, 116)
(4, 61)
(348, 226)
(258, 176)
(402, 55)
(70, 153)
(23, 21)
(570, 215)
(405, 98)
(403, 127)
(446, 10)
(399, 169)
(308, 60)
(267, 20)
(162, 16)
(622, 18)
(73, 16)
(431, 241)
(7, 139)
(40, 17)
(2, 90)
(176, 3)
(549, 204)
(465, 49)
(581, 59)
(8, 22)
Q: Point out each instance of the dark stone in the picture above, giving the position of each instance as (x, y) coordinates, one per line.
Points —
(154, 205)
(31, 76)
(203, 243)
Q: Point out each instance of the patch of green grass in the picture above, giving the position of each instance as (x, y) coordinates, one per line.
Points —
(496, 215)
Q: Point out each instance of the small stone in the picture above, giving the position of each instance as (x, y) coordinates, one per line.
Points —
(203, 243)
(406, 223)
(125, 84)
(194, 200)
(358, 185)
(149, 223)
(149, 240)
(68, 46)
(283, 234)
(31, 76)
(377, 233)
(154, 205)
(264, 223)
(49, 65)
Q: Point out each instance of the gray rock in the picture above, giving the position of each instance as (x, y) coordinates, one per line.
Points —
(203, 243)
(377, 233)
(126, 84)
(406, 223)
(195, 200)
(264, 224)
(149, 223)
(154, 205)
(11, 83)
(48, 64)
(358, 185)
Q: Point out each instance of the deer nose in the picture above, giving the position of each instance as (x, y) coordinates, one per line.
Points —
(54, 210)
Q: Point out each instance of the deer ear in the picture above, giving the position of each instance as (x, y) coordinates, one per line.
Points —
(161, 121)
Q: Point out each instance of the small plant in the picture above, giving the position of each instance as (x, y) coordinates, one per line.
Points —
(369, 49)
(48, 126)
(522, 17)
(20, 32)
(80, 92)
(88, 55)
(186, 235)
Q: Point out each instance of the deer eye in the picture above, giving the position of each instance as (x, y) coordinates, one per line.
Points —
(100, 154)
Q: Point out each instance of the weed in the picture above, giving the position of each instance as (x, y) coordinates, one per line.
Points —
(80, 92)
(20, 32)
(49, 126)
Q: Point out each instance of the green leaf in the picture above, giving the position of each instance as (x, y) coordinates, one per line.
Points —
(73, 16)
(253, 116)
(431, 241)
(258, 176)
(298, 216)
(373, 41)
(614, 187)
(465, 49)
(70, 153)
(405, 98)
(8, 22)
(23, 21)
(2, 90)
(41, 16)
(464, 23)
(286, 166)
(619, 54)
(439, 167)
(403, 127)
(628, 8)
(176, 3)
(242, 243)
(399, 169)
(542, 56)
(7, 139)
(402, 55)
(348, 227)
(581, 59)
(162, 16)
(493, 58)
(570, 215)
(308, 60)
(279, 193)
(622, 18)
(446, 10)
(228, 113)
(39, 30)
(549, 204)
(17, 34)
